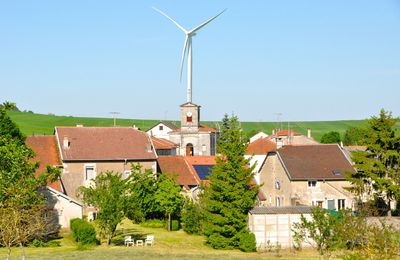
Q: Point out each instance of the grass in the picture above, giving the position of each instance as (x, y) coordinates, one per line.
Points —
(40, 124)
(168, 245)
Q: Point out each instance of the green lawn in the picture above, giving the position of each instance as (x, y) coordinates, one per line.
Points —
(39, 124)
(168, 245)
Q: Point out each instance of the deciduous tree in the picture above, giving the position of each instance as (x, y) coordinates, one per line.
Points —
(108, 195)
(168, 196)
(330, 138)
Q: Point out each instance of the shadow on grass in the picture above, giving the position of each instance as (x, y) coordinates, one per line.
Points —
(119, 238)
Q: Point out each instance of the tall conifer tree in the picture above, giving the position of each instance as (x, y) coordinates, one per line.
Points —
(231, 193)
(378, 168)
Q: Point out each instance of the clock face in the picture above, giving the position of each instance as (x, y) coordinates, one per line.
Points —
(189, 114)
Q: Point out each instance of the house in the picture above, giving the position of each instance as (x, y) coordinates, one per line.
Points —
(190, 171)
(258, 136)
(290, 137)
(64, 208)
(164, 146)
(258, 150)
(161, 129)
(85, 152)
(307, 175)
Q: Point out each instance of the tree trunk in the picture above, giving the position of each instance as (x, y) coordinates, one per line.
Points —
(169, 221)
(8, 252)
(22, 251)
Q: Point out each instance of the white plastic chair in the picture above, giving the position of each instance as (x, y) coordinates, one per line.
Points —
(149, 240)
(129, 241)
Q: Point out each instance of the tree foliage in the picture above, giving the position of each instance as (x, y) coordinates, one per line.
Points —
(193, 217)
(143, 186)
(330, 138)
(319, 231)
(168, 196)
(230, 195)
(378, 166)
(22, 206)
(355, 136)
(108, 194)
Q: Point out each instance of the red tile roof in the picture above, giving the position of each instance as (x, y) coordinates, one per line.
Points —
(286, 133)
(46, 152)
(201, 160)
(161, 143)
(319, 162)
(261, 146)
(178, 165)
(104, 143)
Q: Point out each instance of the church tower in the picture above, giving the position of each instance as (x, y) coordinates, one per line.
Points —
(190, 117)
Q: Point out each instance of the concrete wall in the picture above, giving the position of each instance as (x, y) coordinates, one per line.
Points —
(270, 229)
(73, 175)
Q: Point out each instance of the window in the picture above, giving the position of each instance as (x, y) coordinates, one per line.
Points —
(160, 127)
(189, 119)
(331, 204)
(204, 148)
(341, 203)
(277, 185)
(90, 174)
(278, 201)
(312, 184)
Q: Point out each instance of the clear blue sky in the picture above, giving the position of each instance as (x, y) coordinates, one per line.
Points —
(309, 60)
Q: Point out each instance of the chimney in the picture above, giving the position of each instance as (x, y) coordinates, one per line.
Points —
(309, 133)
(66, 142)
(149, 148)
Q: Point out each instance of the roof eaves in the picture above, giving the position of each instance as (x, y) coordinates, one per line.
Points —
(284, 166)
(58, 145)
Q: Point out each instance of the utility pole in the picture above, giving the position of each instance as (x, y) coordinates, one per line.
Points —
(114, 117)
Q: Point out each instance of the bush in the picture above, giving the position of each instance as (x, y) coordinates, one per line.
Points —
(43, 243)
(217, 241)
(174, 225)
(83, 232)
(192, 218)
(247, 242)
(153, 223)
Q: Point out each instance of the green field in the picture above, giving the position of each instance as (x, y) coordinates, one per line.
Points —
(168, 245)
(40, 124)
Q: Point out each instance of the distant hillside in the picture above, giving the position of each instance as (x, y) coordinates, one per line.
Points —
(39, 124)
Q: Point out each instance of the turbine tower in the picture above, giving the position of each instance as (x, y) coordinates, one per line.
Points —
(187, 48)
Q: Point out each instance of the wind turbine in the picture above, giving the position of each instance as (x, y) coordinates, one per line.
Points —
(187, 48)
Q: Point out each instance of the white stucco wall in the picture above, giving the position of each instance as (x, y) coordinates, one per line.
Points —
(65, 207)
(156, 132)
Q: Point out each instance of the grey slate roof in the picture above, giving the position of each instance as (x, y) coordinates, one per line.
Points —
(282, 210)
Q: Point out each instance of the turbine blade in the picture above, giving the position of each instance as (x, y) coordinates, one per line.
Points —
(184, 53)
(177, 24)
(205, 23)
